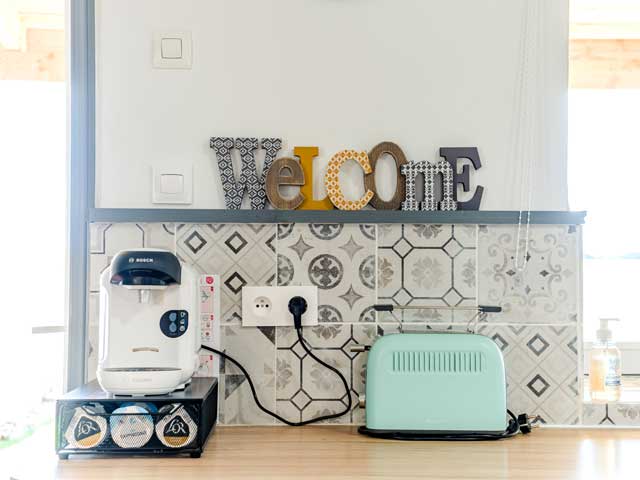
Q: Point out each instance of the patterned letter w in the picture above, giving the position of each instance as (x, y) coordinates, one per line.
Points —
(234, 190)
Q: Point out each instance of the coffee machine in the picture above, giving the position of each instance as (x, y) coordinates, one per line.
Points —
(149, 325)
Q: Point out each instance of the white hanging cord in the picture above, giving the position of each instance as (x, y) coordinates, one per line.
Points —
(526, 132)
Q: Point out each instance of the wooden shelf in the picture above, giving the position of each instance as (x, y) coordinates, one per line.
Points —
(329, 216)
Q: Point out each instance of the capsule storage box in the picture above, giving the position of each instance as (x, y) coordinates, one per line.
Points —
(90, 421)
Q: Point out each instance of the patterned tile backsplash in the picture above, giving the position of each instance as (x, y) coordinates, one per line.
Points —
(623, 414)
(427, 265)
(542, 370)
(356, 266)
(339, 259)
(305, 389)
(547, 290)
(241, 254)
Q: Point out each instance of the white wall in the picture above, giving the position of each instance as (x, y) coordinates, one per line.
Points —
(333, 73)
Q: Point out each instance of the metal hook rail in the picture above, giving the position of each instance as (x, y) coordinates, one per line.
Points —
(481, 312)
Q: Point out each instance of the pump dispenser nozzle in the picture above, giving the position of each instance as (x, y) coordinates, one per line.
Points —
(603, 334)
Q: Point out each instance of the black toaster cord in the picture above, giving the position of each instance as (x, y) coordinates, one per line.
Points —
(516, 425)
(297, 306)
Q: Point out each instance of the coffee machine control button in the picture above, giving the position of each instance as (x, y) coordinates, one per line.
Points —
(169, 323)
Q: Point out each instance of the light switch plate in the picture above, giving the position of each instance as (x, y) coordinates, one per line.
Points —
(172, 185)
(269, 306)
(172, 49)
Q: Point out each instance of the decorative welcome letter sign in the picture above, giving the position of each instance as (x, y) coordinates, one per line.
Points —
(290, 172)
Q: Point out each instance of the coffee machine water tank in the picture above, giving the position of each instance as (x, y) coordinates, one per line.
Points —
(149, 323)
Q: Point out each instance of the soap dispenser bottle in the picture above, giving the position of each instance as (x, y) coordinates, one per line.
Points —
(605, 366)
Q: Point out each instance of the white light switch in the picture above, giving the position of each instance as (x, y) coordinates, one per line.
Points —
(172, 185)
(172, 50)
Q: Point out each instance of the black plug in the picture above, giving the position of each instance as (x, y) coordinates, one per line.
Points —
(524, 423)
(297, 307)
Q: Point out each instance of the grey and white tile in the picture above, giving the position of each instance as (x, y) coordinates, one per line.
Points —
(337, 258)
(426, 264)
(243, 254)
(622, 414)
(235, 401)
(546, 290)
(541, 365)
(254, 349)
(306, 389)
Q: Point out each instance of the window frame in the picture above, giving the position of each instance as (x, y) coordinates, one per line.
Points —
(81, 174)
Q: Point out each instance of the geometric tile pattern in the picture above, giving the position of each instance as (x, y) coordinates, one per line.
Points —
(427, 265)
(242, 254)
(541, 364)
(546, 291)
(625, 414)
(355, 266)
(255, 349)
(304, 388)
(337, 258)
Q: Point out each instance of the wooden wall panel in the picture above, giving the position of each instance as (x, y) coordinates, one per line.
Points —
(604, 63)
(605, 44)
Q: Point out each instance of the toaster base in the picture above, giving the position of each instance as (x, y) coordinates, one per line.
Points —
(433, 434)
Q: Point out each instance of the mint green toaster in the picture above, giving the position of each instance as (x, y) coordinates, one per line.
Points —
(435, 385)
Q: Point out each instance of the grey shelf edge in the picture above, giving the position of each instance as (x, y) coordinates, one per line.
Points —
(481, 217)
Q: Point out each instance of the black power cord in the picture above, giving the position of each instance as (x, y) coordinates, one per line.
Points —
(297, 307)
(514, 427)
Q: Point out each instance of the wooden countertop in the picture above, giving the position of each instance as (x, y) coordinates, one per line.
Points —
(330, 452)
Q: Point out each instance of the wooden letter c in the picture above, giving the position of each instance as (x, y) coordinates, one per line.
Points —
(332, 179)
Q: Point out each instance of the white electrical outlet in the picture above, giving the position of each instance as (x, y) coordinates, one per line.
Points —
(269, 306)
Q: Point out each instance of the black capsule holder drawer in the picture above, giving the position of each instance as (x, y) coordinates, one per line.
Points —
(90, 421)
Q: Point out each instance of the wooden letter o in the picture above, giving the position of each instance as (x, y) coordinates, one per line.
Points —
(332, 179)
(276, 178)
(370, 178)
